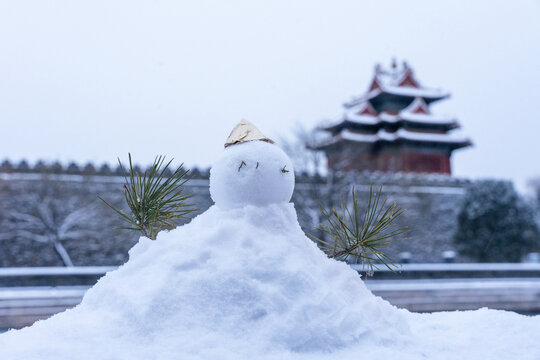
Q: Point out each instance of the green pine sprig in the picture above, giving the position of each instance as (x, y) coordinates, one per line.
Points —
(360, 235)
(155, 200)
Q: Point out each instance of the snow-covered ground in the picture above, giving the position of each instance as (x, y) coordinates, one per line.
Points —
(242, 281)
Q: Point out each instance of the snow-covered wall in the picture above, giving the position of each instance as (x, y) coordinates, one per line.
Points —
(41, 205)
(432, 203)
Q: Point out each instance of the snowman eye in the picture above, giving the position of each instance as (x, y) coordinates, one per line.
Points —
(284, 169)
(242, 164)
(256, 167)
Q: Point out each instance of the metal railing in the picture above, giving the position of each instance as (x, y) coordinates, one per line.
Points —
(54, 289)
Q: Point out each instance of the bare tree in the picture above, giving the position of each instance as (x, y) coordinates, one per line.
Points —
(305, 159)
(45, 213)
(312, 189)
(534, 185)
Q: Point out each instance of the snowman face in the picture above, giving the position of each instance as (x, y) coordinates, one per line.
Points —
(251, 173)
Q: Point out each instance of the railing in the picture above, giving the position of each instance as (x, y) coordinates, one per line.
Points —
(52, 276)
(456, 270)
(513, 294)
(54, 271)
(28, 294)
(439, 267)
(21, 305)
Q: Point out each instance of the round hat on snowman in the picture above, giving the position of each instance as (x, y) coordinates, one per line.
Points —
(252, 170)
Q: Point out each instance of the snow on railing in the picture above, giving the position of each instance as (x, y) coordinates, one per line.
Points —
(41, 292)
(431, 267)
(448, 267)
(55, 271)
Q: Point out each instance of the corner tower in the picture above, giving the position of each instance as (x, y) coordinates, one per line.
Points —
(391, 128)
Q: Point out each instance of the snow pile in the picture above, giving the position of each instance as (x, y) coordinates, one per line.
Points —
(230, 278)
(244, 282)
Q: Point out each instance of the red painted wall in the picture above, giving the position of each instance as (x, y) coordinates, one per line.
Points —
(347, 159)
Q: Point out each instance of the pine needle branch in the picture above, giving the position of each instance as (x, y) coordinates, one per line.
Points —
(360, 235)
(155, 201)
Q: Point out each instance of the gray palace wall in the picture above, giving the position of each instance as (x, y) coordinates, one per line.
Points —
(63, 204)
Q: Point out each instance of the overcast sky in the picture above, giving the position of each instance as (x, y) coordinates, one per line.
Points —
(94, 80)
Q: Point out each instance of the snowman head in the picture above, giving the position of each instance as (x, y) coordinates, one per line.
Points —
(251, 171)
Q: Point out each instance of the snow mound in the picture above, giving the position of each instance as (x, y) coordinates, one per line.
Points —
(247, 283)
(229, 278)
(251, 173)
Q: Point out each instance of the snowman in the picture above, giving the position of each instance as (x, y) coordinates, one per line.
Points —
(251, 171)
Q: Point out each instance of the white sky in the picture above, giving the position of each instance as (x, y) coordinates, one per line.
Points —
(93, 80)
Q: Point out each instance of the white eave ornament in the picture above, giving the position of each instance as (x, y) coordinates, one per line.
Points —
(245, 131)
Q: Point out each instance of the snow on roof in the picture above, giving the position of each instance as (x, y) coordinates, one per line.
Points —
(359, 137)
(393, 76)
(426, 93)
(352, 116)
(331, 124)
(347, 135)
(384, 117)
(430, 137)
(428, 118)
(389, 118)
(418, 105)
(392, 81)
(412, 92)
(365, 108)
(361, 113)
(401, 134)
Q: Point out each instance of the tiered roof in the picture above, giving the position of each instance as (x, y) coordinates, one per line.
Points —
(398, 82)
(395, 109)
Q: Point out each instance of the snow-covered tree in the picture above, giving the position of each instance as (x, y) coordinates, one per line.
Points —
(46, 214)
(495, 224)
